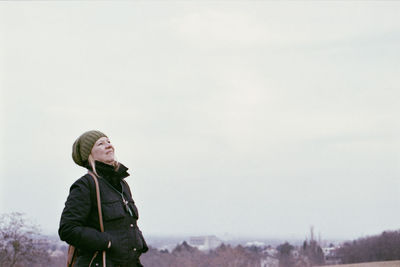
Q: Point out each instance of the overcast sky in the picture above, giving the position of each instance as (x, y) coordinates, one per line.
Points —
(241, 118)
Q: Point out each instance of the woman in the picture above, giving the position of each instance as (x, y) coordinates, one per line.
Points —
(79, 226)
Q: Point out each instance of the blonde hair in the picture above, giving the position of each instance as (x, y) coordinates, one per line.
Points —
(92, 163)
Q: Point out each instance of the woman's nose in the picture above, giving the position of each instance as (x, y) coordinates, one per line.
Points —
(109, 145)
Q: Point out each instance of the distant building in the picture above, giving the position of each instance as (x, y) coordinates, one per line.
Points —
(271, 252)
(205, 242)
(269, 262)
(330, 256)
(255, 244)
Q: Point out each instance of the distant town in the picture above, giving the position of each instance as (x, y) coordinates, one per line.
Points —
(210, 250)
(21, 244)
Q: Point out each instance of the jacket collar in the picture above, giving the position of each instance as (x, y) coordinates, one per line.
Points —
(110, 173)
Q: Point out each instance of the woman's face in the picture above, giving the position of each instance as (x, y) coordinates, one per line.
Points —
(103, 151)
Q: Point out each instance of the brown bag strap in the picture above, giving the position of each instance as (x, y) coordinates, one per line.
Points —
(98, 200)
(94, 176)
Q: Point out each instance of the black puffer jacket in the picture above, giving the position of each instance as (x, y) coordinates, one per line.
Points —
(79, 225)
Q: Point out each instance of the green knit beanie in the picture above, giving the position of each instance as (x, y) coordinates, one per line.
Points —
(82, 147)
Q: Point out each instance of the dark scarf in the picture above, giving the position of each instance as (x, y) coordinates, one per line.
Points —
(110, 174)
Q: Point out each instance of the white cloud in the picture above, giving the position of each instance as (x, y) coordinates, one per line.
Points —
(263, 107)
(275, 24)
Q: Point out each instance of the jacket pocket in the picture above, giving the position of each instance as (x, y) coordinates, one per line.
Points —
(141, 243)
(112, 210)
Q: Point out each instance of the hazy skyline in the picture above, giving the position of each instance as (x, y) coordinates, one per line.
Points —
(245, 118)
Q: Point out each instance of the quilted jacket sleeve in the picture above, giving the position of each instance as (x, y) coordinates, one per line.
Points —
(73, 227)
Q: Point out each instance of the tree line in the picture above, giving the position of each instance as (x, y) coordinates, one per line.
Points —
(21, 244)
(383, 247)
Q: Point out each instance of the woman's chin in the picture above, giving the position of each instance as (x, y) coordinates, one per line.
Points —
(108, 161)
